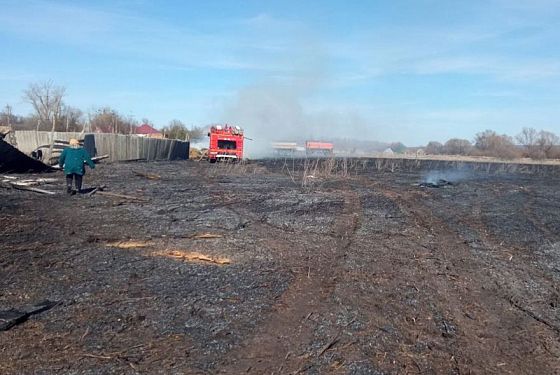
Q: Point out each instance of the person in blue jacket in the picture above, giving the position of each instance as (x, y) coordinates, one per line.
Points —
(73, 159)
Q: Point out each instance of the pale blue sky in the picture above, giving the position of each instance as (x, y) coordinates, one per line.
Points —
(386, 70)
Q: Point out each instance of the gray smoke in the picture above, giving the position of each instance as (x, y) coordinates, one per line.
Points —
(453, 176)
(277, 108)
(275, 112)
(267, 113)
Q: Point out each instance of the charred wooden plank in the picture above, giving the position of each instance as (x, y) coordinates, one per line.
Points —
(12, 317)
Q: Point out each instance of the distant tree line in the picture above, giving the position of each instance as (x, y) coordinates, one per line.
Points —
(530, 143)
(177, 130)
(51, 113)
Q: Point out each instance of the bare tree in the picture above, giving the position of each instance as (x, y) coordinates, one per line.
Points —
(72, 119)
(527, 137)
(146, 121)
(538, 145)
(108, 120)
(177, 130)
(554, 152)
(195, 133)
(546, 142)
(456, 146)
(46, 99)
(490, 143)
(434, 148)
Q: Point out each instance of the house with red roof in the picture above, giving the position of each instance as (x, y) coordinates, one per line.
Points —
(148, 131)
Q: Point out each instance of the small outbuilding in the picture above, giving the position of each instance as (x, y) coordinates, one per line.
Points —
(389, 152)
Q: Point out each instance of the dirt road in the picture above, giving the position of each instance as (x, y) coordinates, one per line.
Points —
(255, 269)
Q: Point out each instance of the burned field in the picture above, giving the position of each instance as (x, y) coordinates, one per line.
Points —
(258, 269)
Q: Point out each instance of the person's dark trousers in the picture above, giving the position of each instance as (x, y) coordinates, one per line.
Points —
(73, 177)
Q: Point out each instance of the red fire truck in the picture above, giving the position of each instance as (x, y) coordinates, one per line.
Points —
(226, 143)
(314, 148)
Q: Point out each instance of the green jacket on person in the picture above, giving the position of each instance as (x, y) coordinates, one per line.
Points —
(72, 159)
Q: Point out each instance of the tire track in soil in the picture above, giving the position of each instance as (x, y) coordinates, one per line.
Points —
(279, 345)
(529, 208)
(503, 259)
(476, 287)
(531, 303)
(457, 284)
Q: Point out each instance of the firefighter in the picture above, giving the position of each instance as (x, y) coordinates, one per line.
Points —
(72, 159)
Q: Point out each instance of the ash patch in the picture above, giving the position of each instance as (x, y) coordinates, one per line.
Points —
(363, 368)
(549, 258)
(380, 214)
(545, 208)
(509, 219)
(7, 203)
(300, 212)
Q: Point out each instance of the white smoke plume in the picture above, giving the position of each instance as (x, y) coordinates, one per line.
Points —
(454, 176)
(276, 113)
(276, 108)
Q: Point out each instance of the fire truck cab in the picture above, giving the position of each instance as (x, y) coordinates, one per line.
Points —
(226, 143)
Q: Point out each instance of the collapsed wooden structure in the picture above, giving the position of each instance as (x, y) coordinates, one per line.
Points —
(13, 160)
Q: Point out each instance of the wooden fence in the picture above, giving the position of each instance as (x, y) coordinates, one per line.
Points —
(117, 146)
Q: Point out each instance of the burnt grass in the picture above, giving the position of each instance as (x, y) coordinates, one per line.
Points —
(356, 271)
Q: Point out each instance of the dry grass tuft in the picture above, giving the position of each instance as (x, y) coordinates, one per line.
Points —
(206, 236)
(131, 244)
(190, 256)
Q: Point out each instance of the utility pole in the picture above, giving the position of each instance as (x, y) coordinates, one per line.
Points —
(52, 138)
(130, 123)
(11, 133)
(8, 112)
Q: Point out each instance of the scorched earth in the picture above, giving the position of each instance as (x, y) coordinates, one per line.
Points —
(272, 267)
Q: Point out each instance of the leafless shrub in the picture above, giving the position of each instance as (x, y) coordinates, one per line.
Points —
(538, 144)
(554, 152)
(108, 120)
(528, 138)
(177, 130)
(546, 143)
(386, 164)
(456, 146)
(240, 168)
(434, 148)
(316, 170)
(364, 164)
(489, 143)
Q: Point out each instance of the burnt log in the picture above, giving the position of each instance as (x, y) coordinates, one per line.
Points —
(12, 317)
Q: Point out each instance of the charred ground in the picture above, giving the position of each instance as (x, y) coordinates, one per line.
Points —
(343, 272)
